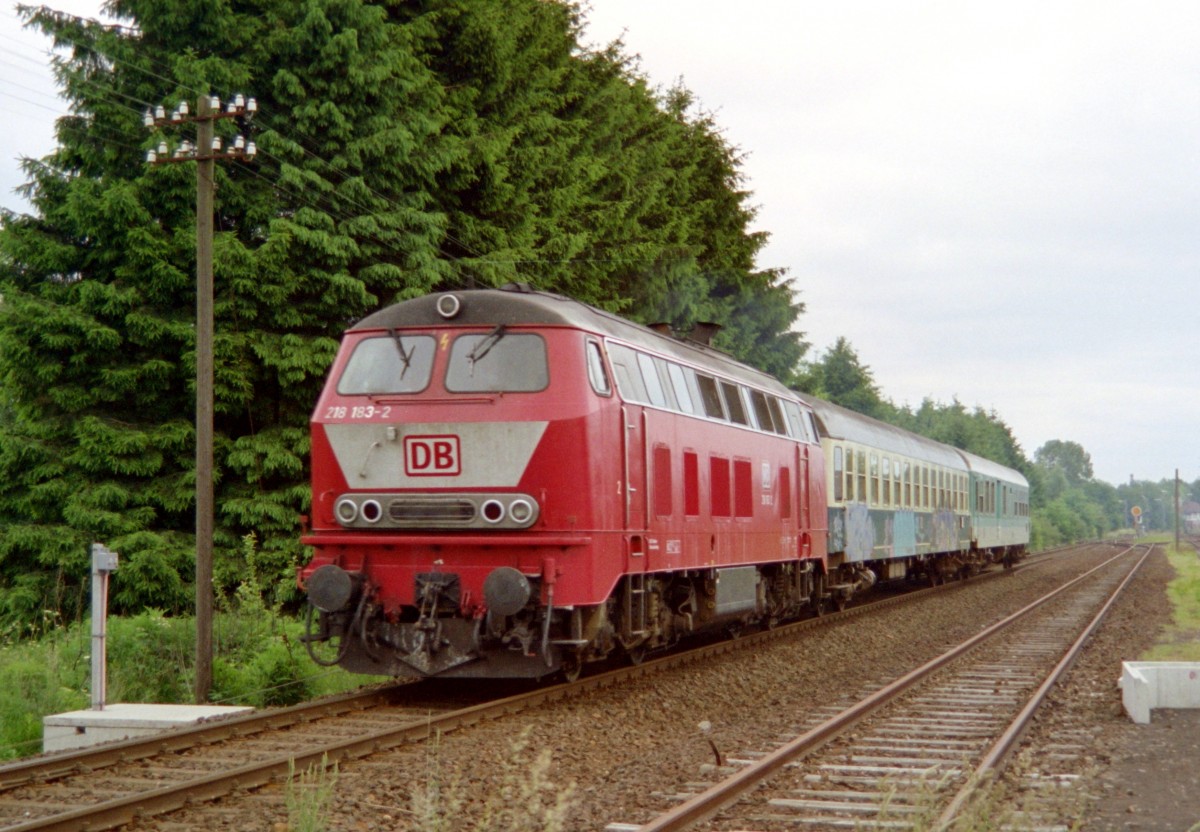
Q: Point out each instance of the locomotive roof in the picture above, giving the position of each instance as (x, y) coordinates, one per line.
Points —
(517, 305)
(839, 423)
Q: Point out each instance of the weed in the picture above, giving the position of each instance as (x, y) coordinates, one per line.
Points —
(309, 797)
(527, 799)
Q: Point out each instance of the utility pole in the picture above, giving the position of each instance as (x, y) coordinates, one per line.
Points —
(1177, 508)
(204, 153)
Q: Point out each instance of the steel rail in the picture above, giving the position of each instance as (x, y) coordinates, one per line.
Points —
(66, 763)
(122, 810)
(997, 756)
(707, 803)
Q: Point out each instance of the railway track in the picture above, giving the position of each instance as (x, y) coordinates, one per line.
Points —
(111, 785)
(914, 753)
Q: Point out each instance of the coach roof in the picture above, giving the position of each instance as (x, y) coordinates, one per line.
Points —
(838, 423)
(987, 468)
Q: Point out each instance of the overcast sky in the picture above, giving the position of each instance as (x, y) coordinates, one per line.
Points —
(999, 203)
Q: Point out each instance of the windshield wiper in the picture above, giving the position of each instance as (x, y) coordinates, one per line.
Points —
(485, 346)
(405, 355)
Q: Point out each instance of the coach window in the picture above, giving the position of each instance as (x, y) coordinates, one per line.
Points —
(679, 384)
(664, 380)
(860, 467)
(497, 362)
(733, 403)
(395, 364)
(925, 487)
(907, 485)
(777, 415)
(850, 475)
(597, 374)
(887, 481)
(710, 396)
(762, 412)
(629, 377)
(650, 378)
(838, 473)
(874, 479)
(795, 428)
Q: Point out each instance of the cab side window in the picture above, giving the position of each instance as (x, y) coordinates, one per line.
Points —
(597, 374)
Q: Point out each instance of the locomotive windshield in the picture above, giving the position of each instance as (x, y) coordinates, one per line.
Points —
(388, 364)
(497, 362)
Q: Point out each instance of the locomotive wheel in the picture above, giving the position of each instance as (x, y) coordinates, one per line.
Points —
(637, 655)
(839, 602)
(819, 598)
(572, 666)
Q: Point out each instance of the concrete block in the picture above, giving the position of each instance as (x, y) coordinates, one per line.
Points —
(80, 729)
(1149, 685)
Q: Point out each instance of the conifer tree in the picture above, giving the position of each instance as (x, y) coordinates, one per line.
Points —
(404, 147)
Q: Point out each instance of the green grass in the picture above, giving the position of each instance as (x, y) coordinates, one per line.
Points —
(1180, 642)
(258, 660)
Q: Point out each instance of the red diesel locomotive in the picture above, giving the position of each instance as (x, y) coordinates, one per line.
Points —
(509, 483)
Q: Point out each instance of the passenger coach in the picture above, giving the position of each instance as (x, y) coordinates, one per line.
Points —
(904, 506)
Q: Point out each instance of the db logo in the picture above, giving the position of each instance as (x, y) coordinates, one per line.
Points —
(431, 456)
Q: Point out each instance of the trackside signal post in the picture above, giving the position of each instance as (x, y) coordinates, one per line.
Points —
(104, 563)
(205, 152)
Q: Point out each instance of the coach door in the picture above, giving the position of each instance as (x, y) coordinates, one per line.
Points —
(634, 490)
(804, 513)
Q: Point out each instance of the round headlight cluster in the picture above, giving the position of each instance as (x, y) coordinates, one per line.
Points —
(508, 511)
(348, 511)
(518, 511)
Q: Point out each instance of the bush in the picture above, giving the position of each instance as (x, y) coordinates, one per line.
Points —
(258, 661)
(34, 681)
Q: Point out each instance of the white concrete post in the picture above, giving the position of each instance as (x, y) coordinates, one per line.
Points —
(104, 561)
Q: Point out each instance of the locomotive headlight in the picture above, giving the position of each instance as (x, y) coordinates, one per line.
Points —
(371, 511)
(492, 511)
(346, 511)
(448, 306)
(520, 510)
